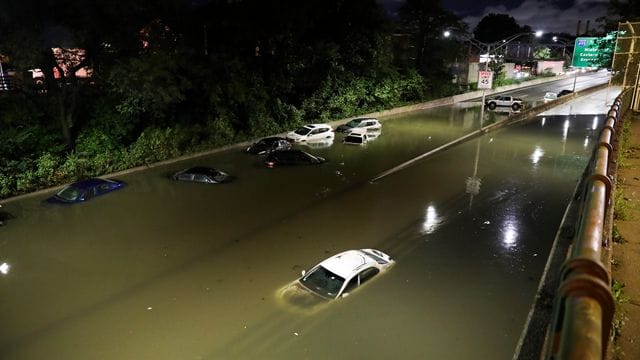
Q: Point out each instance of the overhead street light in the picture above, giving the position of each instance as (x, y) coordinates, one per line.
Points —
(564, 42)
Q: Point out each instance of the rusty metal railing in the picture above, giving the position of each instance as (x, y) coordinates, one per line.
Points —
(584, 304)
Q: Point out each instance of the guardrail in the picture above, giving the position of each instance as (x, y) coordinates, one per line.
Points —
(584, 305)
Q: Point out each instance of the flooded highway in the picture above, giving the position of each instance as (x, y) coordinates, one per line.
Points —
(170, 270)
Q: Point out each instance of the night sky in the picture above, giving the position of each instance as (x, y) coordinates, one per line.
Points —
(546, 15)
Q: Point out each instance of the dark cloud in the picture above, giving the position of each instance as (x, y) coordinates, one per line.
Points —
(549, 16)
(546, 15)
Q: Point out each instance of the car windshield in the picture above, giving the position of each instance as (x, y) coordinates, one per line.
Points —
(219, 176)
(69, 193)
(353, 123)
(303, 131)
(323, 282)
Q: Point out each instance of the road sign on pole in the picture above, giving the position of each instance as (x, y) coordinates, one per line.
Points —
(585, 52)
(485, 79)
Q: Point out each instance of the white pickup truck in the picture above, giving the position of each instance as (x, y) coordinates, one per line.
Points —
(504, 101)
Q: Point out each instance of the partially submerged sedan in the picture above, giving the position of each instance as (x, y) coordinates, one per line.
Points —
(336, 277)
(292, 158)
(267, 145)
(203, 174)
(4, 216)
(84, 190)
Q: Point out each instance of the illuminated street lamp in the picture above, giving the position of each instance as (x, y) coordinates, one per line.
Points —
(563, 42)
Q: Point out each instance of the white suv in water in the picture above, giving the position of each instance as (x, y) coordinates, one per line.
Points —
(311, 132)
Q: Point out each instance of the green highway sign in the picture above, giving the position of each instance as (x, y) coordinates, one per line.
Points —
(585, 52)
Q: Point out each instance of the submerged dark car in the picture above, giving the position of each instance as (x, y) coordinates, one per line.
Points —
(203, 174)
(267, 145)
(292, 157)
(565, 92)
(4, 216)
(84, 190)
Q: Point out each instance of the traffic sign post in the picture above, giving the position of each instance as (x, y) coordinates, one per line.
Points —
(485, 81)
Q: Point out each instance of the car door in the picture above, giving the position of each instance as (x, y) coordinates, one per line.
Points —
(202, 178)
(313, 134)
(185, 177)
(103, 188)
(301, 159)
(362, 277)
(285, 158)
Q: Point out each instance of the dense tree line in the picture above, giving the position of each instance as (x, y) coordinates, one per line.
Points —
(171, 77)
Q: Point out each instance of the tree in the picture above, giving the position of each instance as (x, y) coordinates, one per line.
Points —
(542, 53)
(606, 48)
(496, 27)
(426, 21)
(624, 9)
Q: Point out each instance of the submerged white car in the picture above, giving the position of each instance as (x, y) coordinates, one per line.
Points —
(371, 124)
(336, 277)
(360, 137)
(550, 96)
(311, 132)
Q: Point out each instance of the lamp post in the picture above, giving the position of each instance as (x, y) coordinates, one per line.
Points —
(3, 83)
(564, 42)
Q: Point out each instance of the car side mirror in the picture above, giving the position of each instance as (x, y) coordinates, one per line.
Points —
(303, 272)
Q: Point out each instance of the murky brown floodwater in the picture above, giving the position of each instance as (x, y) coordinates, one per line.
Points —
(166, 270)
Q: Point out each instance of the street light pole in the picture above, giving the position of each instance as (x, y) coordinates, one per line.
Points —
(3, 83)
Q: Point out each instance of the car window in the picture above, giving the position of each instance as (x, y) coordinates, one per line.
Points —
(88, 194)
(353, 123)
(185, 177)
(301, 157)
(103, 188)
(353, 283)
(201, 178)
(302, 131)
(367, 274)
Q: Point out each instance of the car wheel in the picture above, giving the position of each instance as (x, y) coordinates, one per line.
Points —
(515, 107)
(492, 105)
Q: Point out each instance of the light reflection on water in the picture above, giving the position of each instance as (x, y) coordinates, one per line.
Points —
(165, 270)
(509, 231)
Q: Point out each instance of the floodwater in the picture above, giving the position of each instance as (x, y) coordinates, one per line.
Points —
(167, 270)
